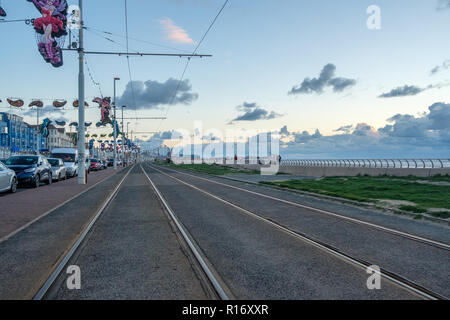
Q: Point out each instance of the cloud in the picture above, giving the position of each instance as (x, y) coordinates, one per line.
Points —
(444, 66)
(406, 136)
(175, 33)
(305, 136)
(402, 92)
(345, 129)
(253, 112)
(409, 90)
(157, 139)
(47, 112)
(443, 4)
(340, 84)
(326, 79)
(150, 94)
(284, 131)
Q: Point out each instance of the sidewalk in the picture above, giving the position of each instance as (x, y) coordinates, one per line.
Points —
(19, 209)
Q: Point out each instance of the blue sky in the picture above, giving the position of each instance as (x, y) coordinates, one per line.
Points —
(261, 50)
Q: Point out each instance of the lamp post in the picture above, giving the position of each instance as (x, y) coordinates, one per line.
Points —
(115, 125)
(129, 151)
(123, 140)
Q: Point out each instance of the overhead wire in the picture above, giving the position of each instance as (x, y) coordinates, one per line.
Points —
(136, 39)
(128, 58)
(109, 39)
(189, 60)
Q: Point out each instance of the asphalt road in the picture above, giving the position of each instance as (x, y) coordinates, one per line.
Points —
(133, 253)
(422, 263)
(258, 261)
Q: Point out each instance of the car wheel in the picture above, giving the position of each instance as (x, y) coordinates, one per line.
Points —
(59, 177)
(50, 180)
(37, 182)
(13, 186)
(65, 176)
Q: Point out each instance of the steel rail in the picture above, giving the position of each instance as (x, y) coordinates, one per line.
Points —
(210, 275)
(43, 291)
(409, 236)
(397, 279)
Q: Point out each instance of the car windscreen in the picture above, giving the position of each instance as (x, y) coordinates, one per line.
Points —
(54, 162)
(94, 160)
(66, 157)
(21, 161)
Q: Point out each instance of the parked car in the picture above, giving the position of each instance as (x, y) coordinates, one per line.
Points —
(58, 169)
(8, 179)
(3, 161)
(31, 169)
(110, 162)
(104, 164)
(70, 158)
(96, 165)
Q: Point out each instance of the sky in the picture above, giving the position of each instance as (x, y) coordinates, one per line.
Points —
(312, 69)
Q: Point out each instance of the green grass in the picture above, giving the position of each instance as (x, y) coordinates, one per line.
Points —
(214, 169)
(372, 189)
(441, 214)
(436, 178)
(414, 209)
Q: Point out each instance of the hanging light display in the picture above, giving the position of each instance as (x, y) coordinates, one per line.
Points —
(44, 127)
(59, 103)
(36, 103)
(2, 11)
(105, 105)
(18, 103)
(51, 29)
(75, 104)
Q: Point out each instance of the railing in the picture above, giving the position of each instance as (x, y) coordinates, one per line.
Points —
(372, 163)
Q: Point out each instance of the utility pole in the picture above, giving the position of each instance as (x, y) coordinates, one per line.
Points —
(115, 125)
(38, 142)
(81, 137)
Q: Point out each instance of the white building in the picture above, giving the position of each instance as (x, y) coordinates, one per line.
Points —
(58, 138)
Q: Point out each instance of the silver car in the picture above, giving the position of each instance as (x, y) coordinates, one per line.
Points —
(8, 179)
(58, 169)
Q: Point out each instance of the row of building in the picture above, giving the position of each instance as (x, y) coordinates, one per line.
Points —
(19, 137)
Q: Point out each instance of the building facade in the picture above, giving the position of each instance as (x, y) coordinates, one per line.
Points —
(17, 136)
(58, 138)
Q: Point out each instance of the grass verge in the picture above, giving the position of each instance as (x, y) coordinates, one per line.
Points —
(374, 189)
(214, 169)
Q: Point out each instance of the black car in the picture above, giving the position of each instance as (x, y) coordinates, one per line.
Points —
(31, 170)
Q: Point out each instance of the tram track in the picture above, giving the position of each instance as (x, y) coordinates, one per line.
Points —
(395, 278)
(59, 267)
(406, 235)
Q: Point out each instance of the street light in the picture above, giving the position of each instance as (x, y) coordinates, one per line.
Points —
(114, 126)
(123, 144)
